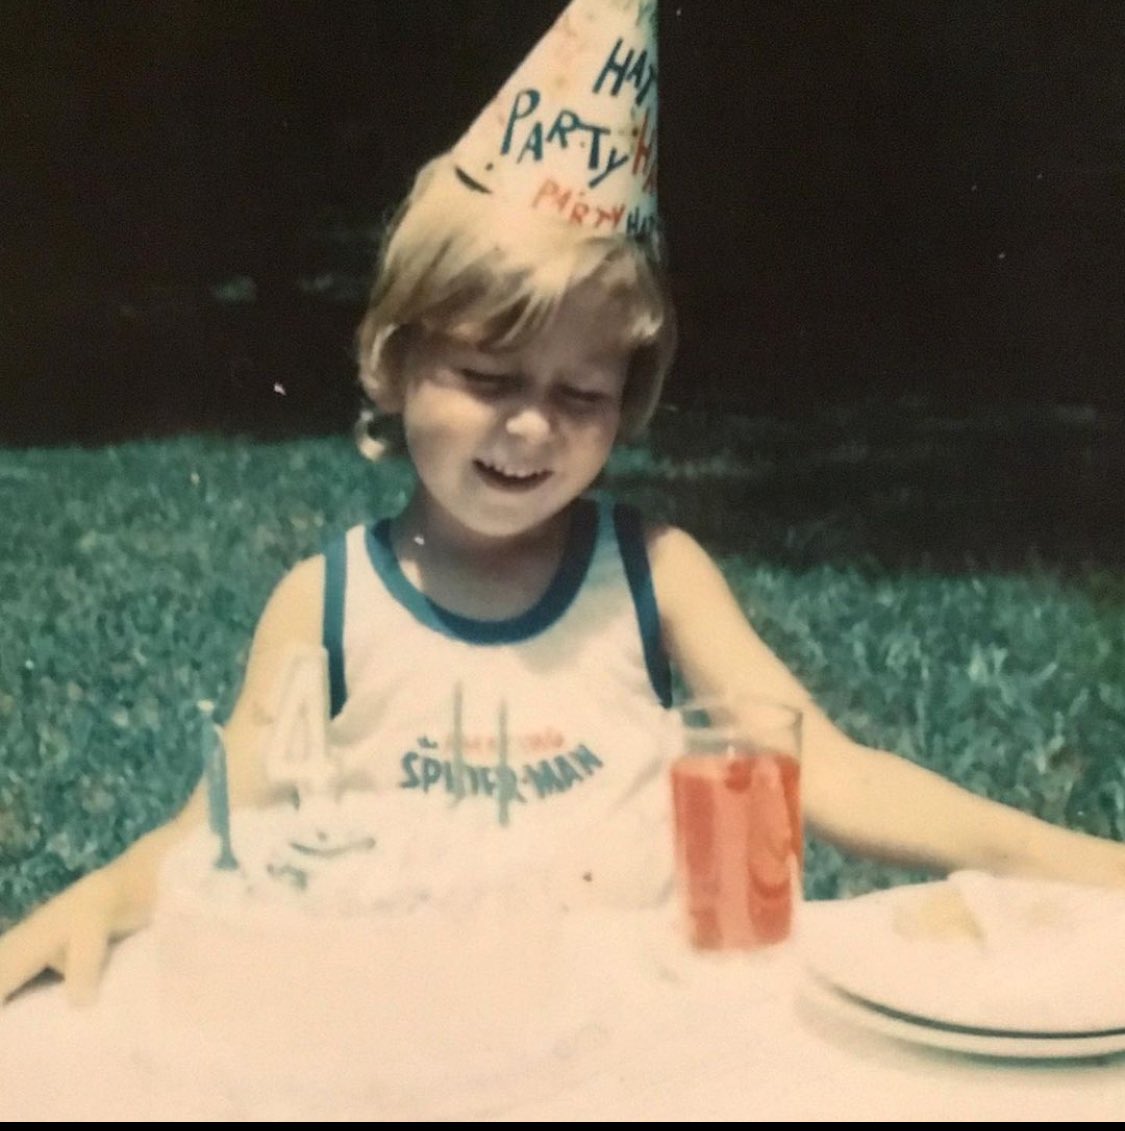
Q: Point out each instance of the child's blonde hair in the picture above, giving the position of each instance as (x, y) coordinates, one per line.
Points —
(455, 261)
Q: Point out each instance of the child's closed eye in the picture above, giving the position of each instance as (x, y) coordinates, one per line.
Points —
(581, 399)
(490, 384)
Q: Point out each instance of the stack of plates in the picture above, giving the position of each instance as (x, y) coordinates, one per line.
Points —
(977, 964)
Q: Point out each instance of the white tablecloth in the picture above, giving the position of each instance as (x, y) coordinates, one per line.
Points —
(725, 1038)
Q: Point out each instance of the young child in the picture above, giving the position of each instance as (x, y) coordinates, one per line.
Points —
(510, 617)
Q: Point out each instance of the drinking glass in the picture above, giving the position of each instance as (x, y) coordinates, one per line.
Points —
(739, 843)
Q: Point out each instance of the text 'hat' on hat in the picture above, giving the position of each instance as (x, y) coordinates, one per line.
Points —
(573, 131)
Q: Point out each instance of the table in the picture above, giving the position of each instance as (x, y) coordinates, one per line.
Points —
(742, 1037)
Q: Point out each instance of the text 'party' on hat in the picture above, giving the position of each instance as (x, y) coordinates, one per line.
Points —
(572, 133)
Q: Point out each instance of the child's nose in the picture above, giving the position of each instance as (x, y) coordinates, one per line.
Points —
(530, 422)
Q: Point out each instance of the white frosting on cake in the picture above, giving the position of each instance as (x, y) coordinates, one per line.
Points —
(351, 918)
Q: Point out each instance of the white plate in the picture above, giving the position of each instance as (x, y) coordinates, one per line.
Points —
(1046, 959)
(967, 1041)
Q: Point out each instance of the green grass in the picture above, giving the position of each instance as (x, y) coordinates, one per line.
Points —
(940, 592)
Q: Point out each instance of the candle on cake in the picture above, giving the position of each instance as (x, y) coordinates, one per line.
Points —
(218, 799)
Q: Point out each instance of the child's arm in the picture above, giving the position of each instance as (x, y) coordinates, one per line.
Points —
(866, 801)
(71, 932)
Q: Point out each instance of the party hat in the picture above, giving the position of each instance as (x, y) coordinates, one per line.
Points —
(573, 131)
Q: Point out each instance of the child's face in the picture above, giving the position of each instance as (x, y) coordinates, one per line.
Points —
(503, 441)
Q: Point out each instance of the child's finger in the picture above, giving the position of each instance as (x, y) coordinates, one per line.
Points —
(43, 940)
(25, 951)
(85, 957)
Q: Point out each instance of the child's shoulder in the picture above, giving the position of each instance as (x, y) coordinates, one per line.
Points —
(684, 575)
(670, 550)
(672, 547)
(293, 613)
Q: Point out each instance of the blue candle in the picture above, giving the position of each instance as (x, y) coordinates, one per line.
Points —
(218, 801)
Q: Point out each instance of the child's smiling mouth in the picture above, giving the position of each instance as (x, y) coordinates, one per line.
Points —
(509, 478)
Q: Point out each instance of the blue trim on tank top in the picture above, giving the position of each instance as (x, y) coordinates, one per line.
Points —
(577, 556)
(335, 581)
(634, 556)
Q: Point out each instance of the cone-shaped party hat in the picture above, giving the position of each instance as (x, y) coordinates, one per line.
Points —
(573, 131)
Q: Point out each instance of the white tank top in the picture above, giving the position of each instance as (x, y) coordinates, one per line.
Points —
(545, 738)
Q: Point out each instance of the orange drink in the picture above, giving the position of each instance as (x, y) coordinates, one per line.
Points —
(737, 817)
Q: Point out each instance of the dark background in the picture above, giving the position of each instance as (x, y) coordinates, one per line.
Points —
(866, 198)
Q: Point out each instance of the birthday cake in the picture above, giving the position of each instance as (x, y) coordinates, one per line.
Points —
(351, 950)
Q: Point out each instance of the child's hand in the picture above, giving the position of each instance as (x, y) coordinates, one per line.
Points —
(69, 934)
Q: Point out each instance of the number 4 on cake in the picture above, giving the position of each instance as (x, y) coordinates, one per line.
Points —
(297, 748)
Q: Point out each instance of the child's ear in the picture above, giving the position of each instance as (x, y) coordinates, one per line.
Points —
(387, 396)
(387, 371)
